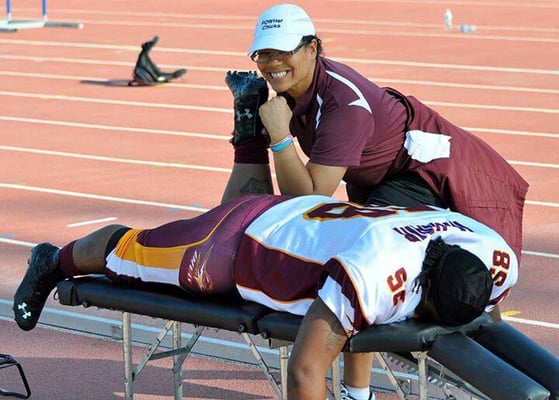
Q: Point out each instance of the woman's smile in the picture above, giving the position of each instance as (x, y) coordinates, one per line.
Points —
(277, 75)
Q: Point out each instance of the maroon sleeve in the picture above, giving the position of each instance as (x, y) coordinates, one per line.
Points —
(341, 136)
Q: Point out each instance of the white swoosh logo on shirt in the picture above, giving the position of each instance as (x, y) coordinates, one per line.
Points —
(361, 102)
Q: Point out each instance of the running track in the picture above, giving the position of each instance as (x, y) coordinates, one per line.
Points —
(79, 149)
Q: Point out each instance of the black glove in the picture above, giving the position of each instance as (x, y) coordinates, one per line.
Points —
(146, 72)
(249, 92)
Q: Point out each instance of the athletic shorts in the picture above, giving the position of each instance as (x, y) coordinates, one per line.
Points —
(196, 254)
(406, 190)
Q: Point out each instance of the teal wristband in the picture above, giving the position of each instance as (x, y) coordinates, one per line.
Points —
(282, 144)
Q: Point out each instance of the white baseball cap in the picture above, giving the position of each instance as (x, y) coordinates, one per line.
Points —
(281, 27)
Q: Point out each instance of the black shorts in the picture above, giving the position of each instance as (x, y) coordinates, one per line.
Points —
(406, 190)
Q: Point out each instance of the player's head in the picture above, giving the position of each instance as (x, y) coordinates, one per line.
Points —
(457, 282)
(281, 27)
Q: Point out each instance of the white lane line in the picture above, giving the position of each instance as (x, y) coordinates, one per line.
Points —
(351, 21)
(17, 242)
(103, 198)
(540, 254)
(92, 222)
(224, 69)
(533, 164)
(531, 322)
(46, 96)
(466, 85)
(223, 53)
(224, 137)
(206, 168)
(116, 159)
(108, 81)
(510, 132)
(416, 64)
(542, 203)
(180, 165)
(114, 128)
(106, 62)
(180, 85)
(493, 107)
(502, 4)
(452, 35)
(414, 33)
(157, 204)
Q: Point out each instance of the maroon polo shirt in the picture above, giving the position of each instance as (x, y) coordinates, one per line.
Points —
(346, 120)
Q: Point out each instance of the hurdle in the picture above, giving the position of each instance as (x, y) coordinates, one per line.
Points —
(12, 25)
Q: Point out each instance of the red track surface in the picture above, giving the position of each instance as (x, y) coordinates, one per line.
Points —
(70, 130)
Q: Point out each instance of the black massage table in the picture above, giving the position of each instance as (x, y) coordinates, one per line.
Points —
(484, 359)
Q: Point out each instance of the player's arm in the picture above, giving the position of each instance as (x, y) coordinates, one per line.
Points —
(320, 339)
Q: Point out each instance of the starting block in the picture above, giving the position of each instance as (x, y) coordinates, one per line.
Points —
(11, 25)
(483, 360)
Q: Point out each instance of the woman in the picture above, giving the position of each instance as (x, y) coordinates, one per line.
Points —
(378, 141)
(389, 148)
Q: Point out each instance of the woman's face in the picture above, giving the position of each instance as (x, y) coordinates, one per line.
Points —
(293, 75)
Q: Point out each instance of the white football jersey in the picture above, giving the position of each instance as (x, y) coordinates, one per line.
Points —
(381, 250)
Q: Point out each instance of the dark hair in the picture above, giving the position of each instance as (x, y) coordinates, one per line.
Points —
(309, 38)
(435, 250)
(460, 282)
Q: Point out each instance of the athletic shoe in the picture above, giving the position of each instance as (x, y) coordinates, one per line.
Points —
(41, 277)
(249, 92)
(344, 394)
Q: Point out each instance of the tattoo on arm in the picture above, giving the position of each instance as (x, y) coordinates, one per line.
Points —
(255, 186)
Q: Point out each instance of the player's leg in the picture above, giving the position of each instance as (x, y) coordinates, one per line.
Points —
(88, 253)
(320, 339)
(251, 170)
(48, 265)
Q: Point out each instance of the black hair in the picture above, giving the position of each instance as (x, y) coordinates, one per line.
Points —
(434, 252)
(309, 38)
(460, 282)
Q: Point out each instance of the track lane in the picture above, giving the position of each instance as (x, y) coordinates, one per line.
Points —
(393, 52)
